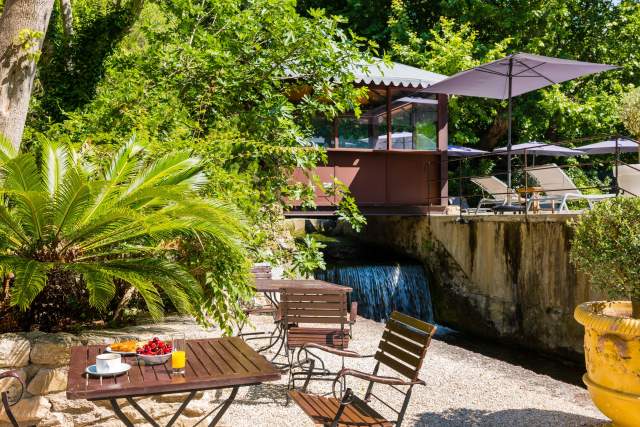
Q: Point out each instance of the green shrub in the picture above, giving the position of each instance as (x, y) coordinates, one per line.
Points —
(606, 247)
(73, 233)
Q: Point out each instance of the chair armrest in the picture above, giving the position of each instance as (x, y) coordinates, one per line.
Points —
(344, 353)
(368, 377)
(376, 378)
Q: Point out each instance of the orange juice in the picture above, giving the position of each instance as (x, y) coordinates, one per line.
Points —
(178, 359)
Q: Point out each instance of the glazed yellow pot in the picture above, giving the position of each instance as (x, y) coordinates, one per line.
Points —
(612, 355)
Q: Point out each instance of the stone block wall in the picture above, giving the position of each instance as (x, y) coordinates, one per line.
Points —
(506, 277)
(41, 360)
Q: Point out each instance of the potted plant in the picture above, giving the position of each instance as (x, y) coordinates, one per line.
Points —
(606, 247)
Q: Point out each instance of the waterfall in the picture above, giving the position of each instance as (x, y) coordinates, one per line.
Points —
(381, 289)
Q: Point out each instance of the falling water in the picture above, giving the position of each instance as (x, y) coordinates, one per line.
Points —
(381, 289)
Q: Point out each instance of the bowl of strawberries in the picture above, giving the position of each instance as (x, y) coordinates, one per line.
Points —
(154, 352)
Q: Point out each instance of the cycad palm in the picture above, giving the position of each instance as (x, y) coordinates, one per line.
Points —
(116, 223)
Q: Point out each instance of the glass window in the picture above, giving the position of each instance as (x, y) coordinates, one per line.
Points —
(370, 129)
(414, 124)
(322, 132)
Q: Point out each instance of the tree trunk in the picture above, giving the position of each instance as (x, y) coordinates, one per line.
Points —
(67, 19)
(22, 27)
(635, 308)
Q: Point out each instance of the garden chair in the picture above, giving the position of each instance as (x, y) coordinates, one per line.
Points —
(558, 187)
(7, 402)
(628, 177)
(402, 349)
(497, 191)
(255, 307)
(318, 317)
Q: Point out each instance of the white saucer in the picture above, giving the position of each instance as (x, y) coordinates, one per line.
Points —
(123, 353)
(124, 367)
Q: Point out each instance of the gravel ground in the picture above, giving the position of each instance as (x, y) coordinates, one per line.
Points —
(463, 389)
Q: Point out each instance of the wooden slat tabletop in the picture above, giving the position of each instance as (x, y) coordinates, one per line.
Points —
(271, 285)
(211, 363)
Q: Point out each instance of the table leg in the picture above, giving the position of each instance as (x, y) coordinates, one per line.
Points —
(223, 408)
(119, 413)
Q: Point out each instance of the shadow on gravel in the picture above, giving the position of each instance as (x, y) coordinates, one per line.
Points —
(509, 417)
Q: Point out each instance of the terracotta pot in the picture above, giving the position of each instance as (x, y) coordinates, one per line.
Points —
(612, 355)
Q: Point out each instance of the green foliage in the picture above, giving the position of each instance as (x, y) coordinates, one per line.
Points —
(214, 78)
(66, 223)
(307, 258)
(630, 112)
(606, 247)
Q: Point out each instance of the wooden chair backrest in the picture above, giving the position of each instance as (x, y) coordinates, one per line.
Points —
(404, 344)
(314, 306)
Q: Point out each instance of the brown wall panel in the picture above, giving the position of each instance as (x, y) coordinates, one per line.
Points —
(363, 172)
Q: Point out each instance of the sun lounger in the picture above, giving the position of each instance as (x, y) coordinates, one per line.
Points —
(497, 191)
(629, 180)
(557, 186)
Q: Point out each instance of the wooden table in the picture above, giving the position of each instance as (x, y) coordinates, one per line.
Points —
(211, 364)
(274, 286)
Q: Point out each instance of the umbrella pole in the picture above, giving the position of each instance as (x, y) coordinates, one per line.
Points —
(460, 187)
(617, 163)
(509, 133)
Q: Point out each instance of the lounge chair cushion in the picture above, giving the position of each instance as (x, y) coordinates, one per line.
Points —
(322, 410)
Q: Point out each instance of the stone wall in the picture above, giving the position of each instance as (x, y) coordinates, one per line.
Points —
(41, 360)
(506, 277)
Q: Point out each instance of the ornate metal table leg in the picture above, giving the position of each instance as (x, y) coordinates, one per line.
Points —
(223, 408)
(119, 413)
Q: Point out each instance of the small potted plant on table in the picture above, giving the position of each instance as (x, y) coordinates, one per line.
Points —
(606, 247)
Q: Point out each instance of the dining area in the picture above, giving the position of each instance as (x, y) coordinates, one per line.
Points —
(298, 340)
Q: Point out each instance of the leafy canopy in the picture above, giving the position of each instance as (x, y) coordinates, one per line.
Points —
(121, 222)
(213, 77)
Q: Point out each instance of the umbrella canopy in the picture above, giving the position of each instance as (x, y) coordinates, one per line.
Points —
(459, 151)
(607, 147)
(512, 76)
(540, 149)
(528, 72)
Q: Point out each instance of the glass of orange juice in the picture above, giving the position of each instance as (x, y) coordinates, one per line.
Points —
(178, 355)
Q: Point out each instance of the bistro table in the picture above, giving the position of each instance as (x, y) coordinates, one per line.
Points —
(211, 364)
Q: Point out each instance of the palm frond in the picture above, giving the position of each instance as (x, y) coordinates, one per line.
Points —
(30, 279)
(9, 222)
(72, 199)
(171, 168)
(55, 162)
(7, 150)
(175, 281)
(100, 285)
(21, 174)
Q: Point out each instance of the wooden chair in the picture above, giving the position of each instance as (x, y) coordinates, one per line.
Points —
(402, 348)
(6, 403)
(318, 317)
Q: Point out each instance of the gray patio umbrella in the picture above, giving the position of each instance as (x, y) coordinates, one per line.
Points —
(539, 149)
(459, 151)
(612, 146)
(512, 76)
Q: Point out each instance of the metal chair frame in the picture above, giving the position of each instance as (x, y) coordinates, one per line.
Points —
(5, 396)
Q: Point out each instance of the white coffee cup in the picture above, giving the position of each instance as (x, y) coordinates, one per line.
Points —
(107, 362)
